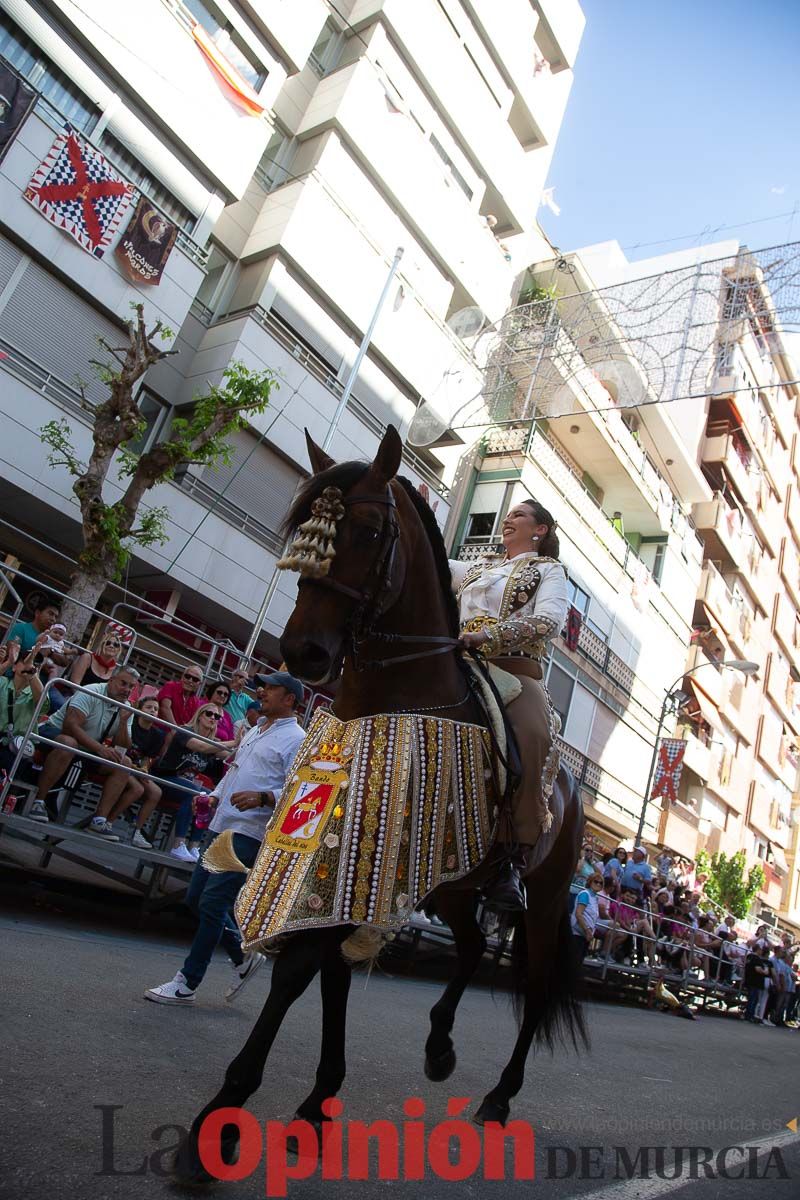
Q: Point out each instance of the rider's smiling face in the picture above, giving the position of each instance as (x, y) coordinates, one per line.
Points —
(520, 528)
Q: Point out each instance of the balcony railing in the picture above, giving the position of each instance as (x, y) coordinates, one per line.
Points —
(322, 371)
(231, 513)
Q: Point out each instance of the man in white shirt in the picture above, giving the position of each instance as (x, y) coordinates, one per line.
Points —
(245, 799)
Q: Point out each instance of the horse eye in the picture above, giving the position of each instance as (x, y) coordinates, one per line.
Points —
(367, 534)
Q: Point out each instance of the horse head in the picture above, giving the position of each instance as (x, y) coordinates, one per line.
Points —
(357, 532)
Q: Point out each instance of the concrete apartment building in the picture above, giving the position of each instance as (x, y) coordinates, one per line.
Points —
(385, 125)
(740, 778)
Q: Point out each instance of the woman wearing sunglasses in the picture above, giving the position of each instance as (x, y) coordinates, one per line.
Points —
(193, 751)
(219, 694)
(18, 697)
(97, 666)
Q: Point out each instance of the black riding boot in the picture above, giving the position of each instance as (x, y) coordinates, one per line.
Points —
(505, 891)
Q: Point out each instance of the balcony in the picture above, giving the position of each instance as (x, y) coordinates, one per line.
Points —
(697, 755)
(721, 529)
(725, 450)
(740, 705)
(728, 778)
(790, 568)
(778, 466)
(780, 685)
(793, 507)
(709, 680)
(555, 467)
(678, 830)
(720, 841)
(407, 164)
(713, 593)
(787, 628)
(767, 517)
(771, 893)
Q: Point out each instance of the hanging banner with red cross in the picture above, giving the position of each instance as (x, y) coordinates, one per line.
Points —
(79, 191)
(668, 769)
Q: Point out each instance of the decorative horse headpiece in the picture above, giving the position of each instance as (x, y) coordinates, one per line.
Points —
(312, 551)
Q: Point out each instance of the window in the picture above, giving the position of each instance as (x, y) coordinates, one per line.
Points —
(578, 598)
(327, 52)
(561, 686)
(488, 506)
(273, 170)
(147, 184)
(229, 42)
(210, 292)
(154, 413)
(31, 62)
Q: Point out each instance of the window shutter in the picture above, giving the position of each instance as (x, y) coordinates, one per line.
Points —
(57, 329)
(10, 256)
(263, 488)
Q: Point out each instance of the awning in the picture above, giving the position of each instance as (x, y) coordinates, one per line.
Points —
(715, 623)
(707, 710)
(779, 859)
(243, 94)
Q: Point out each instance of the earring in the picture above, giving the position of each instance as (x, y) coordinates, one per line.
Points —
(535, 537)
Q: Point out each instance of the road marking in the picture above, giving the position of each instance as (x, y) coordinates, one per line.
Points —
(657, 1078)
(647, 1189)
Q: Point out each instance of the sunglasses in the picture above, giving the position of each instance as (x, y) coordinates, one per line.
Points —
(220, 691)
(28, 671)
(213, 716)
(194, 678)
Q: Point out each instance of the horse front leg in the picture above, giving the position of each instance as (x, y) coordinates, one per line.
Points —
(334, 982)
(457, 909)
(293, 969)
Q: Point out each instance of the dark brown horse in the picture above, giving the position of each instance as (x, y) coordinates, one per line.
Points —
(380, 616)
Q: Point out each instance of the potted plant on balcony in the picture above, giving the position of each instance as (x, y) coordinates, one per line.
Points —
(534, 322)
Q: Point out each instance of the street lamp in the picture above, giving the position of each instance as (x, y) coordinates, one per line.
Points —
(671, 699)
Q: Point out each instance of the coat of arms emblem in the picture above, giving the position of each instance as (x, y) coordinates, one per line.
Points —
(310, 800)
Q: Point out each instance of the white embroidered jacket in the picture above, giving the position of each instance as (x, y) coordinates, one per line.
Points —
(522, 601)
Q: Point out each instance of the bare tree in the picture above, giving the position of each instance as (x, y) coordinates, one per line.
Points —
(112, 529)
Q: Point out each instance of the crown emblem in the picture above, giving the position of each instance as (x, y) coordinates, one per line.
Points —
(331, 756)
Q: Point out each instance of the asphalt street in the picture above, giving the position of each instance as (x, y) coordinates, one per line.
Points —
(85, 1051)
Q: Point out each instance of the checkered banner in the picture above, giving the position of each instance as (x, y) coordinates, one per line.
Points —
(79, 191)
(668, 769)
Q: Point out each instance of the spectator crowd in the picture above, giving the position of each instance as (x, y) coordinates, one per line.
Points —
(628, 913)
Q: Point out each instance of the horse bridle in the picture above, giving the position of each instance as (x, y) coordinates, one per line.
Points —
(374, 592)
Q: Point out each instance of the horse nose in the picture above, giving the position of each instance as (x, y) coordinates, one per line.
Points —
(305, 658)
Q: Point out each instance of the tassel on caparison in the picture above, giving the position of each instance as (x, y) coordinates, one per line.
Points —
(221, 856)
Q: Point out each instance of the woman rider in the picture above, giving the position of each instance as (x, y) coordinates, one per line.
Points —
(509, 610)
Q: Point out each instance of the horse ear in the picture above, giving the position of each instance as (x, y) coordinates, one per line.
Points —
(320, 461)
(390, 451)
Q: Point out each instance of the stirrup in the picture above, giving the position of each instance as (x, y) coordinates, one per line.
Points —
(505, 893)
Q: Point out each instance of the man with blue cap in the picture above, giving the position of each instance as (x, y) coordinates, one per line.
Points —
(245, 801)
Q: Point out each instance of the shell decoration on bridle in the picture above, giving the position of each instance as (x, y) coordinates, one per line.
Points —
(312, 550)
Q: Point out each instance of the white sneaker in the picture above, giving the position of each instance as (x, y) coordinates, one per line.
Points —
(103, 828)
(182, 853)
(195, 852)
(176, 991)
(140, 841)
(39, 812)
(244, 972)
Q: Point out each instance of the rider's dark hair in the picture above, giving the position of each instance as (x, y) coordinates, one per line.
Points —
(548, 546)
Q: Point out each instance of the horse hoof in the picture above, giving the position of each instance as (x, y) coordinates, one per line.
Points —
(491, 1111)
(187, 1168)
(440, 1068)
(293, 1144)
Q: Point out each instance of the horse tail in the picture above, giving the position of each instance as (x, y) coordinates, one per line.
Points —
(547, 979)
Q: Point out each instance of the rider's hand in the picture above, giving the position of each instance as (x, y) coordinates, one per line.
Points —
(471, 641)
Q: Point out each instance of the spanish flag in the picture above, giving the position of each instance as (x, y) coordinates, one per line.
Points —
(243, 94)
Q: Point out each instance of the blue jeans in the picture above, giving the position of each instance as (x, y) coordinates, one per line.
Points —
(211, 897)
(754, 994)
(184, 820)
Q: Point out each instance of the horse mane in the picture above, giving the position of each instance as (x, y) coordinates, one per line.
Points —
(345, 476)
(431, 527)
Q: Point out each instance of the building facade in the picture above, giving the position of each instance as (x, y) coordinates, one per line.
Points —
(296, 145)
(738, 787)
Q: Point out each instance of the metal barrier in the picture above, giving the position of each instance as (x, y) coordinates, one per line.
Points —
(696, 954)
(8, 585)
(32, 735)
(54, 591)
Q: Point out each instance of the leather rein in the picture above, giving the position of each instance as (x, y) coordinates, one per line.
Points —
(371, 597)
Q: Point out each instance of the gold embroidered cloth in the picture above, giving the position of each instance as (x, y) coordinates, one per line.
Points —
(377, 812)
